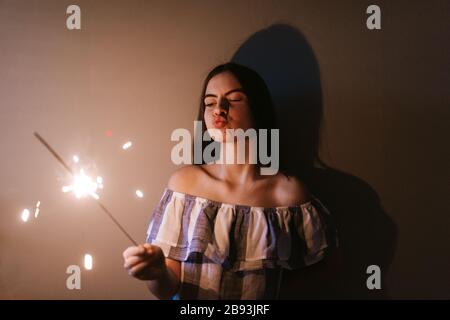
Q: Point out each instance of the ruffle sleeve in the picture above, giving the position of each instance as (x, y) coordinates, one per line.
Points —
(188, 228)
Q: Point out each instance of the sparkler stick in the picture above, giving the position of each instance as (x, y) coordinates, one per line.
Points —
(64, 164)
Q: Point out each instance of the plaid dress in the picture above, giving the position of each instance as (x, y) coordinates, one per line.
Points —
(234, 251)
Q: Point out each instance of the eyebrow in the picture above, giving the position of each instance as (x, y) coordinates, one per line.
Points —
(229, 92)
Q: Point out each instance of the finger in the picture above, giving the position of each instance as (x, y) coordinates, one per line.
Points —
(153, 250)
(126, 252)
(132, 261)
(149, 249)
(133, 251)
(135, 270)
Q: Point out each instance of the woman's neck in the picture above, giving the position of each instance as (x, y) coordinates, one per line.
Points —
(237, 168)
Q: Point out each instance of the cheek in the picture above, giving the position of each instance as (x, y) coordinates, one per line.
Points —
(242, 118)
(207, 116)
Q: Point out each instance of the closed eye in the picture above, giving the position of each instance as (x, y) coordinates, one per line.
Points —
(211, 103)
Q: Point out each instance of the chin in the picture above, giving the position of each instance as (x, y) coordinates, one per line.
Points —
(218, 135)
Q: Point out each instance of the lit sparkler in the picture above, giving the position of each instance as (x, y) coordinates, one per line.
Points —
(83, 185)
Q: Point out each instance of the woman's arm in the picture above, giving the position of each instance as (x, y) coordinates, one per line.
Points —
(169, 283)
(147, 262)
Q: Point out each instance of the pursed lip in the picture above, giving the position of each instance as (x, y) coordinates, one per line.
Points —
(220, 122)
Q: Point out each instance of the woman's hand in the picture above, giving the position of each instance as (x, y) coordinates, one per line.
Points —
(145, 262)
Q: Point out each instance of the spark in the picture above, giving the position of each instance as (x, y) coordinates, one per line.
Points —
(127, 145)
(36, 211)
(82, 186)
(95, 196)
(139, 193)
(88, 262)
(75, 159)
(100, 182)
(71, 171)
(25, 215)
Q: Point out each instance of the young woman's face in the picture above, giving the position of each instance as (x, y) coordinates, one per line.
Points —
(226, 106)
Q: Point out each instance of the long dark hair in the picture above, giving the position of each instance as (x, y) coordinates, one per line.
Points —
(259, 99)
(262, 109)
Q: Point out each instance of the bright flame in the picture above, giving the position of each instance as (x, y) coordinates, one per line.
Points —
(88, 262)
(139, 193)
(25, 215)
(76, 159)
(127, 145)
(38, 204)
(95, 196)
(100, 182)
(82, 186)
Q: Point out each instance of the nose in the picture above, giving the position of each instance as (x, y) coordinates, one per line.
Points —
(222, 107)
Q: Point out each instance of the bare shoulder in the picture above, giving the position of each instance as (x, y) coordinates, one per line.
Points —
(184, 179)
(291, 191)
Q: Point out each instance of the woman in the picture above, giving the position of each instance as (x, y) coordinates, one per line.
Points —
(225, 231)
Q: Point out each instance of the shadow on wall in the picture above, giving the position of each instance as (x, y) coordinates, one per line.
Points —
(367, 236)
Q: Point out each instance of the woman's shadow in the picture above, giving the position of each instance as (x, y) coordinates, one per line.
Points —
(367, 236)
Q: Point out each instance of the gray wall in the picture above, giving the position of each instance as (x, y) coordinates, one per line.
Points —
(136, 69)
